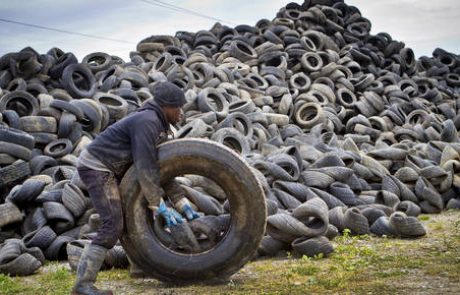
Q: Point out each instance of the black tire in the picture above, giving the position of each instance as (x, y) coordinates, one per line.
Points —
(39, 124)
(270, 247)
(43, 138)
(247, 207)
(233, 139)
(313, 246)
(35, 219)
(242, 51)
(34, 251)
(138, 79)
(10, 250)
(453, 204)
(84, 88)
(243, 106)
(355, 221)
(58, 216)
(238, 121)
(116, 105)
(36, 89)
(6, 159)
(24, 265)
(66, 106)
(11, 118)
(372, 214)
(15, 150)
(406, 226)
(17, 84)
(9, 213)
(50, 112)
(309, 114)
(76, 134)
(60, 173)
(116, 258)
(64, 60)
(211, 100)
(205, 203)
(5, 78)
(28, 191)
(14, 172)
(311, 62)
(97, 61)
(40, 163)
(40, 238)
(53, 195)
(67, 124)
(58, 148)
(91, 120)
(29, 104)
(74, 200)
(17, 136)
(57, 249)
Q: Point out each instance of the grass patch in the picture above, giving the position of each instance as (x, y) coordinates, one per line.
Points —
(59, 280)
(9, 285)
(424, 217)
(114, 275)
(305, 270)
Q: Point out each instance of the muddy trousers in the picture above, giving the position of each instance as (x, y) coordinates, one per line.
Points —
(103, 190)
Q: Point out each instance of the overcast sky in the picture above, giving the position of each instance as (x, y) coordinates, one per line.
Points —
(422, 24)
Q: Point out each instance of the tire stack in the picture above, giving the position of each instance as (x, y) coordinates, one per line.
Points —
(344, 129)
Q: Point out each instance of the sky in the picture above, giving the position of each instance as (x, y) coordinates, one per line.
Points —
(422, 24)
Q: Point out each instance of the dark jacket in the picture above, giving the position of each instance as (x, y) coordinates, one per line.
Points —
(133, 140)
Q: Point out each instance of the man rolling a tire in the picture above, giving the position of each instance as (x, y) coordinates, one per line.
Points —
(129, 141)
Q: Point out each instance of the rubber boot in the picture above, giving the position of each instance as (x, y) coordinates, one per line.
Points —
(90, 262)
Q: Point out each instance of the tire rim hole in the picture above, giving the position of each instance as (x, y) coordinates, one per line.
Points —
(209, 230)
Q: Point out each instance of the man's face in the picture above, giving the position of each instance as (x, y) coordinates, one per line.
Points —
(173, 114)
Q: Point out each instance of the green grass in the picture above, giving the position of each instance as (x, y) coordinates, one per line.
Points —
(57, 281)
(9, 285)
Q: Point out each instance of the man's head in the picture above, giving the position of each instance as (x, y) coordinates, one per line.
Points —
(171, 99)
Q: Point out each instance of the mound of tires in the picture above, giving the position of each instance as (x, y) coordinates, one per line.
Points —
(343, 129)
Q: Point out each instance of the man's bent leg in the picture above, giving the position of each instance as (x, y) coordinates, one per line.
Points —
(105, 197)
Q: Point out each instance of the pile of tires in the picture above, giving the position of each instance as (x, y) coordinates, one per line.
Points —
(343, 128)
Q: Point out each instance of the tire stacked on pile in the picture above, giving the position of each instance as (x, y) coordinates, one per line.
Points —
(344, 129)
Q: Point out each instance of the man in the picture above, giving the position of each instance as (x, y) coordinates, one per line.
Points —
(132, 140)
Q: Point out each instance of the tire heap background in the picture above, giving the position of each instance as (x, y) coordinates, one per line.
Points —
(344, 129)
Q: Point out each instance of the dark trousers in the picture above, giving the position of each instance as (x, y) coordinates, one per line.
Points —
(103, 191)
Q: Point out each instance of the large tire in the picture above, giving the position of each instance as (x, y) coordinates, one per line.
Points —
(247, 208)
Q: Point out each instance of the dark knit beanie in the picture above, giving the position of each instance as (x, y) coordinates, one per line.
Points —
(168, 94)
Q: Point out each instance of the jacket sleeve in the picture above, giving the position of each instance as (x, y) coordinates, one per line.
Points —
(175, 192)
(143, 144)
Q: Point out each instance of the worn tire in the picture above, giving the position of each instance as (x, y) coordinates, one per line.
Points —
(15, 150)
(87, 88)
(38, 124)
(24, 265)
(17, 136)
(9, 213)
(26, 99)
(14, 172)
(247, 207)
(58, 148)
(312, 246)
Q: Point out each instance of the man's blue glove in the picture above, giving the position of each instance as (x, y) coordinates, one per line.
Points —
(184, 206)
(189, 212)
(170, 215)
